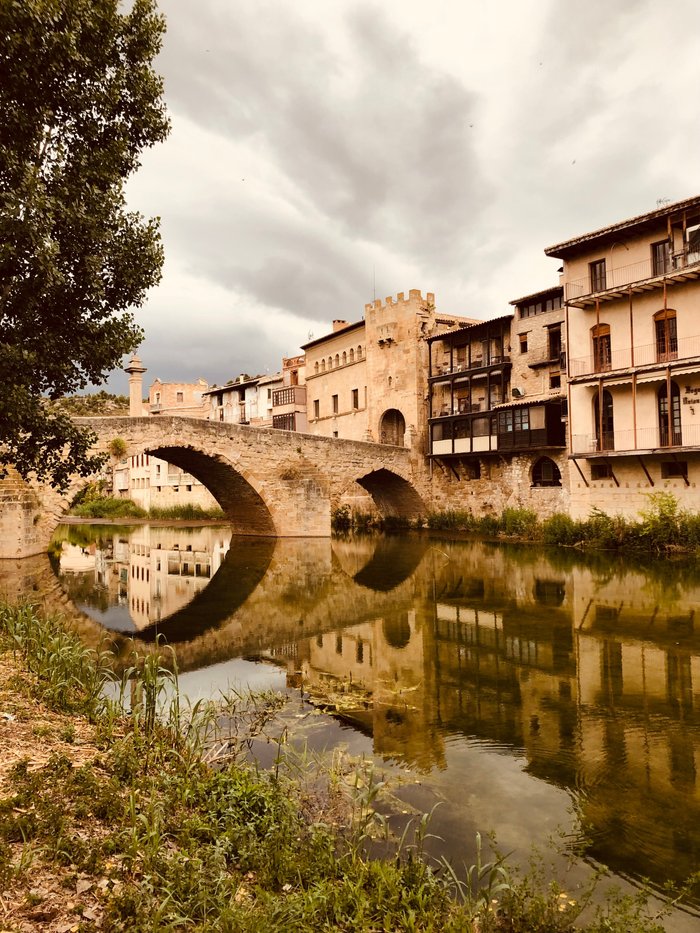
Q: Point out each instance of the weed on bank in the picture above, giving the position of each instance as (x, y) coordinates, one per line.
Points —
(114, 817)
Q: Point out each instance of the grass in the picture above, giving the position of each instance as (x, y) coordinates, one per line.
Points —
(662, 527)
(108, 507)
(130, 824)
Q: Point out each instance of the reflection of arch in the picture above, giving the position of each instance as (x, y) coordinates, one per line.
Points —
(545, 472)
(392, 494)
(243, 567)
(236, 495)
(393, 561)
(392, 427)
(396, 630)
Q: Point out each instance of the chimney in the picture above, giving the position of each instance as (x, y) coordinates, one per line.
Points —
(339, 325)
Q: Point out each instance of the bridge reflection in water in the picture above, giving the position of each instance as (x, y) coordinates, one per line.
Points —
(583, 673)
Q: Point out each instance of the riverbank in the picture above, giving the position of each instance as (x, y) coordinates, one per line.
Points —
(119, 822)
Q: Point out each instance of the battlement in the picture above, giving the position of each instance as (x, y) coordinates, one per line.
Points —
(414, 295)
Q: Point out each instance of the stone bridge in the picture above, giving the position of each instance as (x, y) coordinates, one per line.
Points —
(268, 482)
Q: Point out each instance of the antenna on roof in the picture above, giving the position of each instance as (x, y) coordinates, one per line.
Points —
(662, 202)
(310, 335)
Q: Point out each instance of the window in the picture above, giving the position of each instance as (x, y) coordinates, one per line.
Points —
(283, 397)
(546, 473)
(355, 399)
(337, 361)
(604, 424)
(602, 348)
(317, 408)
(671, 468)
(345, 358)
(601, 471)
(532, 308)
(555, 382)
(180, 396)
(597, 274)
(335, 434)
(284, 422)
(359, 353)
(269, 394)
(334, 400)
(554, 342)
(666, 336)
(660, 258)
(323, 366)
(523, 343)
(316, 368)
(669, 421)
(352, 356)
(330, 362)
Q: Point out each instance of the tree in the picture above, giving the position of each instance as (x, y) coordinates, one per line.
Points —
(79, 102)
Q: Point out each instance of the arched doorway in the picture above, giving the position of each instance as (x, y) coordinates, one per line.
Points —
(392, 428)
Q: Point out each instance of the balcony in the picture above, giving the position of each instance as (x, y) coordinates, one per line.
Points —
(606, 284)
(292, 395)
(628, 441)
(644, 355)
(467, 366)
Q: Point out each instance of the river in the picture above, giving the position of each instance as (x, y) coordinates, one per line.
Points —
(528, 692)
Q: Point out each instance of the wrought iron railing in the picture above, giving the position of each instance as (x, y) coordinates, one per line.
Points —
(597, 282)
(646, 354)
(644, 438)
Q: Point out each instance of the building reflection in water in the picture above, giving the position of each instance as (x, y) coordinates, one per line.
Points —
(588, 670)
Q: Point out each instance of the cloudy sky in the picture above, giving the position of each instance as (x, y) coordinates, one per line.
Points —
(326, 151)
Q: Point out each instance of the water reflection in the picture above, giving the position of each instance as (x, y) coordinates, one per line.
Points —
(584, 673)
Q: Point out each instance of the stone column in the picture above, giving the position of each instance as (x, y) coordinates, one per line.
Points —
(135, 369)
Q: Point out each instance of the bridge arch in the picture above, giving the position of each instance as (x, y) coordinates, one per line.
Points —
(393, 494)
(234, 489)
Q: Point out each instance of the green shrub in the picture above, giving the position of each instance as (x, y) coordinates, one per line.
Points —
(519, 522)
(109, 507)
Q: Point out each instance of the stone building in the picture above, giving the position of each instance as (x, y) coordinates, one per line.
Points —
(186, 399)
(497, 438)
(632, 295)
(150, 482)
(367, 380)
(238, 402)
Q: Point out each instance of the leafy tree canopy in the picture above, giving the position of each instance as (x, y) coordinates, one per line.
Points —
(79, 102)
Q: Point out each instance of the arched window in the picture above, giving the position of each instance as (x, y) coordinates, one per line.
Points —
(669, 421)
(545, 472)
(666, 335)
(337, 361)
(316, 368)
(604, 424)
(602, 350)
(359, 353)
(330, 362)
(323, 366)
(345, 357)
(352, 356)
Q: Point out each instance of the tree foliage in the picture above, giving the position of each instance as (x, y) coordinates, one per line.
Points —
(80, 101)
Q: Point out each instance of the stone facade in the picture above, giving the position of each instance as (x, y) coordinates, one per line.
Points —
(367, 380)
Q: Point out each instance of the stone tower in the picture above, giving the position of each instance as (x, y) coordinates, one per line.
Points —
(135, 369)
